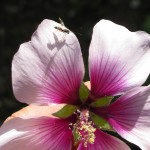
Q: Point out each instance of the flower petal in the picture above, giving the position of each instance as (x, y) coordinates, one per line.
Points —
(104, 141)
(40, 133)
(49, 68)
(130, 116)
(118, 59)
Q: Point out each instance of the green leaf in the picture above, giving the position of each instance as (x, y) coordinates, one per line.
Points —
(102, 102)
(100, 122)
(83, 92)
(66, 111)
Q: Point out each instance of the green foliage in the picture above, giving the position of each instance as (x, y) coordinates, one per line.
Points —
(83, 92)
(102, 102)
(66, 111)
(100, 122)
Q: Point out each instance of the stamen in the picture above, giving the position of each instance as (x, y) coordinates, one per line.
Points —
(84, 128)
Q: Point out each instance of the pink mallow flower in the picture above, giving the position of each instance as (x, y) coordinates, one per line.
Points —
(48, 71)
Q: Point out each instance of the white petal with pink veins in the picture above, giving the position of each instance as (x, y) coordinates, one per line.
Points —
(118, 59)
(49, 68)
(35, 130)
(130, 116)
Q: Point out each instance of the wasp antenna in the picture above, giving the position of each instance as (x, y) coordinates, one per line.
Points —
(61, 22)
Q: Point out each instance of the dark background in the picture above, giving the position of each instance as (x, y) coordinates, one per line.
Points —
(20, 18)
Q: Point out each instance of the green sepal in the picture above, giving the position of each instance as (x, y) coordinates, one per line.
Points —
(104, 101)
(100, 122)
(66, 111)
(76, 137)
(83, 92)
